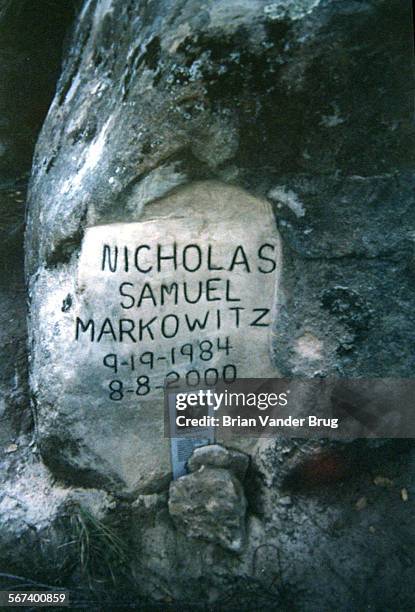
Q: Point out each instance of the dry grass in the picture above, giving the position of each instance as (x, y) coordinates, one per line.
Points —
(101, 552)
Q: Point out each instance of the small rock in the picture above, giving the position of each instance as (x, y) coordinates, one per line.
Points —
(210, 505)
(285, 501)
(148, 504)
(382, 481)
(372, 529)
(12, 448)
(361, 503)
(404, 495)
(217, 456)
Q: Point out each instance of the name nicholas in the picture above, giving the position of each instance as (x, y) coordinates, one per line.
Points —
(147, 259)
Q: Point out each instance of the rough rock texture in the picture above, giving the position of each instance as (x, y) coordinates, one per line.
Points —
(30, 54)
(209, 504)
(312, 546)
(273, 98)
(97, 425)
(36, 512)
(307, 103)
(15, 414)
(278, 99)
(218, 456)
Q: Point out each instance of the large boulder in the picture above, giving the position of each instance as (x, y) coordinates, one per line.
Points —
(165, 296)
(279, 126)
(199, 130)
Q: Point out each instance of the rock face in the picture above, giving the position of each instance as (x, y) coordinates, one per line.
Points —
(210, 504)
(187, 294)
(26, 89)
(291, 124)
(228, 94)
(33, 499)
(15, 414)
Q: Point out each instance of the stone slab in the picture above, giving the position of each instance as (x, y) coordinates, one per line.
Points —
(187, 294)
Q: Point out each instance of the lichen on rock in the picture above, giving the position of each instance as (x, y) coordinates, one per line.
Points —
(210, 504)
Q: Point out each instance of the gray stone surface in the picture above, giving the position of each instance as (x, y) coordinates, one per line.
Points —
(15, 416)
(105, 424)
(30, 53)
(36, 516)
(271, 98)
(307, 105)
(230, 94)
(214, 455)
(210, 504)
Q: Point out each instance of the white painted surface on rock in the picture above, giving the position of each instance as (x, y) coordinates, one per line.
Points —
(186, 294)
